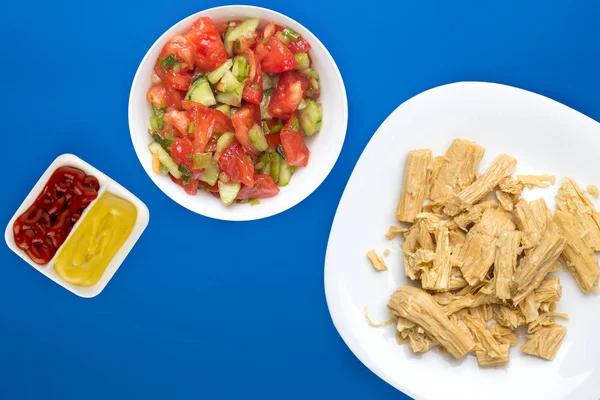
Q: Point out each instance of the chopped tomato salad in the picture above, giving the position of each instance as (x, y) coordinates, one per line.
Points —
(233, 104)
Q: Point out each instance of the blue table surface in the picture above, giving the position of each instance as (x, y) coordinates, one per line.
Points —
(211, 309)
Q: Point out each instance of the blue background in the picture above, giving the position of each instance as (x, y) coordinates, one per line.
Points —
(211, 309)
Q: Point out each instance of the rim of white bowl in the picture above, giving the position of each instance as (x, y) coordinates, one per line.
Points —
(270, 209)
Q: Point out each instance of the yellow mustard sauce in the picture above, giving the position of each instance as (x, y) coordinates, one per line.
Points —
(103, 230)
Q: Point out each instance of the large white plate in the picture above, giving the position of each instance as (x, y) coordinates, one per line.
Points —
(546, 137)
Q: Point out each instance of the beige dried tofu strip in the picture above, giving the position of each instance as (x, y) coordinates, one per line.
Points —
(511, 186)
(531, 181)
(456, 170)
(469, 301)
(532, 220)
(376, 261)
(457, 281)
(485, 360)
(417, 177)
(572, 199)
(536, 264)
(593, 190)
(394, 231)
(457, 237)
(503, 334)
(479, 251)
(503, 166)
(509, 317)
(409, 247)
(424, 239)
(550, 290)
(545, 319)
(486, 346)
(438, 277)
(545, 342)
(418, 306)
(579, 258)
(505, 200)
(421, 342)
(506, 262)
(474, 213)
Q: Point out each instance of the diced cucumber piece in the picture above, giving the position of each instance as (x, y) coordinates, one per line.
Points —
(257, 138)
(301, 105)
(218, 73)
(264, 164)
(232, 99)
(275, 166)
(264, 105)
(185, 171)
(285, 173)
(254, 202)
(210, 174)
(276, 128)
(201, 92)
(155, 122)
(310, 73)
(311, 117)
(225, 109)
(245, 29)
(291, 34)
(165, 159)
(163, 170)
(228, 45)
(225, 140)
(267, 81)
(240, 68)
(303, 60)
(202, 160)
(228, 191)
(230, 84)
(284, 39)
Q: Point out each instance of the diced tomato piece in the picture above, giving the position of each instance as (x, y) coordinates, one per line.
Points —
(264, 187)
(221, 27)
(207, 122)
(174, 98)
(180, 47)
(273, 139)
(278, 58)
(253, 89)
(212, 189)
(157, 95)
(179, 119)
(287, 95)
(236, 166)
(299, 46)
(209, 49)
(190, 188)
(296, 152)
(181, 151)
(178, 80)
(243, 120)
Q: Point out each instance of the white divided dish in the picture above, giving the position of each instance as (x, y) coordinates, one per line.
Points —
(106, 185)
(325, 147)
(545, 137)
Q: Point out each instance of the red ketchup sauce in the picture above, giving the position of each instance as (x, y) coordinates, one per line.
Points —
(43, 228)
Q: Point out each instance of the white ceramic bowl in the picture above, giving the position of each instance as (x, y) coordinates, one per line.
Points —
(106, 184)
(325, 147)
